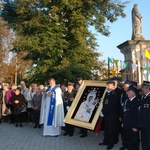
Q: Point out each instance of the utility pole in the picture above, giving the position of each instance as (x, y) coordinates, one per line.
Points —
(16, 70)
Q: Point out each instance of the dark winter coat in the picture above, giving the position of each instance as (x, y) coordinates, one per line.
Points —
(16, 107)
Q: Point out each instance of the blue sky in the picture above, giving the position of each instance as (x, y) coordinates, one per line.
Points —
(121, 30)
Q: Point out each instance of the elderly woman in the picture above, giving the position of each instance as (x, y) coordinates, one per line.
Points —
(18, 106)
(36, 106)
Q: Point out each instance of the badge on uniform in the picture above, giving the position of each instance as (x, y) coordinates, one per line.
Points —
(146, 105)
(106, 101)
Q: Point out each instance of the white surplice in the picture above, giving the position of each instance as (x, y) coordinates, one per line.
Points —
(55, 128)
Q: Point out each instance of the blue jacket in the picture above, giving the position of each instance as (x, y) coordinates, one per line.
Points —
(144, 113)
(110, 106)
(130, 113)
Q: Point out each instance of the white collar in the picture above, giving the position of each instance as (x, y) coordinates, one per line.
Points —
(52, 87)
(109, 91)
(146, 95)
(131, 98)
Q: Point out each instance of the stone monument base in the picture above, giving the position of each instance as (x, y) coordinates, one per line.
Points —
(133, 51)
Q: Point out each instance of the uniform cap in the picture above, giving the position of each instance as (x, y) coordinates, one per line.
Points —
(70, 84)
(110, 82)
(128, 82)
(133, 89)
(79, 78)
(146, 83)
(134, 84)
(115, 78)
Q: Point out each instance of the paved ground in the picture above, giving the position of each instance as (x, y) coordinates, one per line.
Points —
(28, 138)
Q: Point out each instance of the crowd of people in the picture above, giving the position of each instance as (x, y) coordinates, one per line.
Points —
(126, 110)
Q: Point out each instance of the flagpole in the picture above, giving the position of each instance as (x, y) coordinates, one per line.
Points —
(117, 68)
(108, 69)
(113, 63)
(147, 68)
(120, 64)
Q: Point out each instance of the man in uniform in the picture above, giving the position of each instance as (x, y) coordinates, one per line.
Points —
(144, 116)
(130, 119)
(123, 98)
(118, 91)
(110, 109)
(69, 96)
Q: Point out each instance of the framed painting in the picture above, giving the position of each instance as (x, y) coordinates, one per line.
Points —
(87, 105)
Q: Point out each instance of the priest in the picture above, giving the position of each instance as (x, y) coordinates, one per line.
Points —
(54, 111)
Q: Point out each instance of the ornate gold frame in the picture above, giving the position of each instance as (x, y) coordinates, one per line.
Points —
(86, 86)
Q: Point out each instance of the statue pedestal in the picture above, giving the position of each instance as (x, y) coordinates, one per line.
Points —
(133, 51)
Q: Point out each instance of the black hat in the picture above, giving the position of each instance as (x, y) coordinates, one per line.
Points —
(146, 83)
(133, 89)
(79, 78)
(115, 78)
(134, 84)
(110, 82)
(128, 82)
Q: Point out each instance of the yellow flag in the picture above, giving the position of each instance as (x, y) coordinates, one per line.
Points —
(147, 53)
(116, 62)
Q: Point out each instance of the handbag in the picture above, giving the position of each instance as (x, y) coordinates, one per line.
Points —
(7, 111)
(22, 108)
